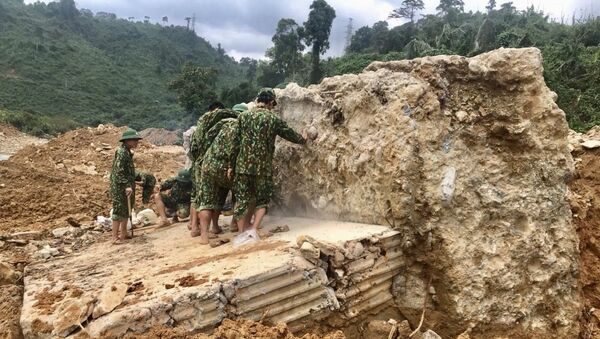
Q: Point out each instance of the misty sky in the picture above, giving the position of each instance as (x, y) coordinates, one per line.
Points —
(245, 27)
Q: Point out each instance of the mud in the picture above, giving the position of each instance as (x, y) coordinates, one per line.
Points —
(42, 186)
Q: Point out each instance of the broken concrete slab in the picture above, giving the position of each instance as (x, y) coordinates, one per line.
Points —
(175, 281)
(110, 297)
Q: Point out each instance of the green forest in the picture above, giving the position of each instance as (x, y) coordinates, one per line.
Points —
(62, 67)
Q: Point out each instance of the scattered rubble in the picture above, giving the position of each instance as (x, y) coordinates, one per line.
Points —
(12, 140)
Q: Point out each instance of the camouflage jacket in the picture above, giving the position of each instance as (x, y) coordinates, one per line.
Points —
(200, 143)
(257, 130)
(122, 174)
(181, 192)
(224, 149)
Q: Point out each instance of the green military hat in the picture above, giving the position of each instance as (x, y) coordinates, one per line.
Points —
(266, 93)
(130, 134)
(240, 108)
(184, 175)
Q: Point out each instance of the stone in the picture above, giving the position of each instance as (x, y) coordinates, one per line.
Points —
(47, 252)
(429, 334)
(483, 196)
(590, 144)
(66, 231)
(109, 298)
(309, 251)
(312, 133)
(71, 313)
(8, 275)
(84, 169)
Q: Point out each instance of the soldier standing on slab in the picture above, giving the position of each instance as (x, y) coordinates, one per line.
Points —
(258, 129)
(122, 184)
(199, 144)
(217, 173)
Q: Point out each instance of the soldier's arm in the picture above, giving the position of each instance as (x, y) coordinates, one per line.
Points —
(235, 149)
(167, 184)
(288, 133)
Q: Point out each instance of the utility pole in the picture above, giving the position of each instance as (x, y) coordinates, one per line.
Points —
(349, 32)
(188, 22)
(194, 23)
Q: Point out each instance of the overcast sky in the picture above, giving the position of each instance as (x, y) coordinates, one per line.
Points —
(245, 27)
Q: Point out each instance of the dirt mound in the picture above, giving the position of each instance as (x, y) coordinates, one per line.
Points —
(161, 136)
(585, 202)
(12, 140)
(233, 329)
(41, 186)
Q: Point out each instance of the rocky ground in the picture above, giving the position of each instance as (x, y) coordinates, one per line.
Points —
(12, 140)
(161, 136)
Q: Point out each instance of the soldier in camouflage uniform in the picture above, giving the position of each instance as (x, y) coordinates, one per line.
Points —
(257, 130)
(147, 181)
(216, 173)
(122, 184)
(177, 201)
(200, 143)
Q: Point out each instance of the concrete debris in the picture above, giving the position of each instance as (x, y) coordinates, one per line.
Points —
(590, 144)
(71, 313)
(47, 252)
(309, 251)
(146, 217)
(8, 275)
(110, 297)
(429, 334)
(66, 231)
(468, 159)
(84, 169)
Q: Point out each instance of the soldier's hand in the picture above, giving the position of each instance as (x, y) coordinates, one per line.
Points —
(128, 191)
(229, 173)
(156, 189)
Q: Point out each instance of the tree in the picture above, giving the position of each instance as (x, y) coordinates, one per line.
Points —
(286, 53)
(408, 10)
(380, 36)
(361, 40)
(450, 9)
(316, 34)
(195, 88)
(250, 65)
(446, 6)
(491, 6)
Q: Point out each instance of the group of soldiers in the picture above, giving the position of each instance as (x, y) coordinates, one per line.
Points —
(231, 154)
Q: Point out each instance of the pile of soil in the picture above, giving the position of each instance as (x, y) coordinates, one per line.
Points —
(161, 136)
(586, 217)
(43, 185)
(12, 140)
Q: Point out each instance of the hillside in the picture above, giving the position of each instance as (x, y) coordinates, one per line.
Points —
(60, 63)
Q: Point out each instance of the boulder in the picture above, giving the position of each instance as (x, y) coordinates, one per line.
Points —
(8, 275)
(468, 158)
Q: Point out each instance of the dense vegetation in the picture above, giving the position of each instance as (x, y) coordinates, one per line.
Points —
(61, 67)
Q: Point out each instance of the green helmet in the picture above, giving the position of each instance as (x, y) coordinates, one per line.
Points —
(266, 94)
(184, 175)
(240, 108)
(130, 134)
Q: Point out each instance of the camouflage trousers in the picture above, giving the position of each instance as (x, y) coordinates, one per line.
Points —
(119, 203)
(213, 190)
(251, 189)
(148, 183)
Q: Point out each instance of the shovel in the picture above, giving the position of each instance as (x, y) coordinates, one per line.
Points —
(129, 213)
